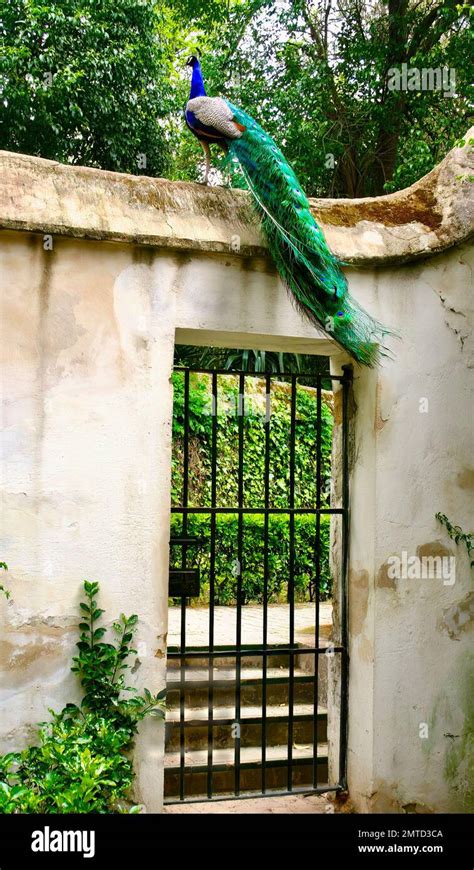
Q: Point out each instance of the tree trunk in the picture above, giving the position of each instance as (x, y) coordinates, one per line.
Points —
(394, 101)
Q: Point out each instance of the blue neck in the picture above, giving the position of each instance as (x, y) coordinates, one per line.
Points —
(197, 83)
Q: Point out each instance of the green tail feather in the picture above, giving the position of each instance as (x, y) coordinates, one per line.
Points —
(298, 247)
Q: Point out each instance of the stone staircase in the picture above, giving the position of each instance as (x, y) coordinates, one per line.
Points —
(196, 695)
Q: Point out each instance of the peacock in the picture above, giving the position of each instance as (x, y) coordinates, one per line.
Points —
(302, 257)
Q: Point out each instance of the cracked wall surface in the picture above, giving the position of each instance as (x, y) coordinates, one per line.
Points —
(410, 718)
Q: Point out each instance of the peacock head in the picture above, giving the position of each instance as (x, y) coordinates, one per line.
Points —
(192, 61)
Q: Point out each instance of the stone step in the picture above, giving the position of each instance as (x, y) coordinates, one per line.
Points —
(196, 727)
(223, 770)
(275, 659)
(248, 713)
(196, 686)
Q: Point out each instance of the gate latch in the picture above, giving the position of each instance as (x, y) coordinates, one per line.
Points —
(184, 583)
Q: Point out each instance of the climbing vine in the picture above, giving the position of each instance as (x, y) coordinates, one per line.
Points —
(3, 590)
(458, 536)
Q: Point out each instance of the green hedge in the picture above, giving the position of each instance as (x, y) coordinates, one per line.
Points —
(304, 494)
(226, 551)
(200, 428)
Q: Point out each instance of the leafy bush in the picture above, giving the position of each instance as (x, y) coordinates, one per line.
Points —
(225, 587)
(87, 82)
(82, 763)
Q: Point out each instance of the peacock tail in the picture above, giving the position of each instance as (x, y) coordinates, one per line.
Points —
(298, 247)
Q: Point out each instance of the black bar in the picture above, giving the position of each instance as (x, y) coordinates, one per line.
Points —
(291, 582)
(320, 376)
(346, 385)
(240, 535)
(246, 720)
(250, 510)
(317, 583)
(191, 541)
(255, 794)
(265, 580)
(242, 653)
(182, 748)
(212, 577)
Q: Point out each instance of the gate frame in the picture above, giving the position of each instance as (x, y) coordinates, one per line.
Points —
(345, 381)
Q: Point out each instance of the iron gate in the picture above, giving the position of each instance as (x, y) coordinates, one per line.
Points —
(228, 703)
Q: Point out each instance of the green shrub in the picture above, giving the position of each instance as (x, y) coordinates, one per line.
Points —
(226, 553)
(82, 763)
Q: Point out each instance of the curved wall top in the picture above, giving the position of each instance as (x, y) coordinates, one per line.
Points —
(43, 196)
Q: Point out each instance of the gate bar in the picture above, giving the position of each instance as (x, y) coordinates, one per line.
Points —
(265, 579)
(188, 509)
(256, 651)
(320, 376)
(346, 384)
(291, 583)
(182, 674)
(240, 549)
(318, 582)
(212, 577)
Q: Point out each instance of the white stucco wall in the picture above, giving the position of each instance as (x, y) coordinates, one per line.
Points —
(411, 640)
(87, 339)
(87, 336)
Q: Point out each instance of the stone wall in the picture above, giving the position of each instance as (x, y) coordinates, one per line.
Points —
(100, 275)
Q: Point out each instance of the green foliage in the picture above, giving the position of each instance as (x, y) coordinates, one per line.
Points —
(86, 82)
(304, 491)
(199, 411)
(261, 361)
(253, 560)
(349, 135)
(119, 83)
(200, 429)
(79, 766)
(101, 667)
(82, 763)
(457, 535)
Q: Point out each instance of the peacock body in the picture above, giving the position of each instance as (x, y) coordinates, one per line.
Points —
(302, 257)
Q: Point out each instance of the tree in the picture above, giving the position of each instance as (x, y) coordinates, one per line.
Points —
(316, 74)
(86, 81)
(103, 83)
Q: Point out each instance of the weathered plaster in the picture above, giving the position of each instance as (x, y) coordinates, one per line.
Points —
(48, 197)
(87, 337)
(410, 463)
(458, 617)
